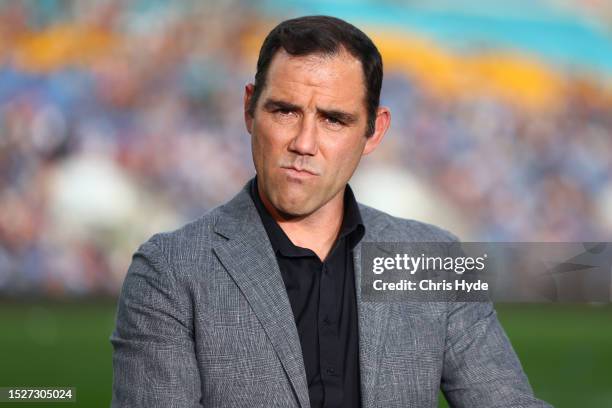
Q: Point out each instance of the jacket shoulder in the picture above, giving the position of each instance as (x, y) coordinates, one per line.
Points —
(396, 229)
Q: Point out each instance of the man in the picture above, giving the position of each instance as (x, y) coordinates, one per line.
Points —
(256, 303)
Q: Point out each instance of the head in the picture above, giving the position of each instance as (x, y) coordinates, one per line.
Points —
(313, 111)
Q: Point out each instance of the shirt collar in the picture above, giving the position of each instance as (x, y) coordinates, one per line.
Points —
(352, 226)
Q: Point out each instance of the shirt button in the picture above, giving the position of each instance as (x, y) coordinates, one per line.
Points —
(326, 321)
(330, 371)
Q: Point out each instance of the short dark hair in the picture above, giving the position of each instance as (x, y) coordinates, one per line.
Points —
(326, 35)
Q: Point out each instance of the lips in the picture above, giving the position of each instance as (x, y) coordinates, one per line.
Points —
(297, 172)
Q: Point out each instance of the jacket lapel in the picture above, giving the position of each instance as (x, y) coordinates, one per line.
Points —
(248, 257)
(373, 325)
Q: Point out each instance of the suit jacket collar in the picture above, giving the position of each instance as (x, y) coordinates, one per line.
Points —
(248, 256)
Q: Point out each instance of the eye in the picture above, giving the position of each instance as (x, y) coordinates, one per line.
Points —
(283, 112)
(334, 123)
(284, 115)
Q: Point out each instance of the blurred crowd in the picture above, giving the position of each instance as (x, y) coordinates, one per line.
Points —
(120, 119)
(516, 175)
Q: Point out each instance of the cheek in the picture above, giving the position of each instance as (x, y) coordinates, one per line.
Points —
(266, 147)
(268, 135)
(345, 157)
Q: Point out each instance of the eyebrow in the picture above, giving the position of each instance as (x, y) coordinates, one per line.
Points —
(345, 117)
(272, 104)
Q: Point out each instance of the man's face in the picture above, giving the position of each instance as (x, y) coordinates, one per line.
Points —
(308, 129)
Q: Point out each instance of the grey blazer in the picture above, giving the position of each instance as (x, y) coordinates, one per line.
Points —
(204, 320)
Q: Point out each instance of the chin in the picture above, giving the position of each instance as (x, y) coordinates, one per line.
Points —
(294, 209)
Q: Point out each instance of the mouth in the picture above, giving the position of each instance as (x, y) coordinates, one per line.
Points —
(298, 173)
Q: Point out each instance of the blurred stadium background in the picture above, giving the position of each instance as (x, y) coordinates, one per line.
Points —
(119, 119)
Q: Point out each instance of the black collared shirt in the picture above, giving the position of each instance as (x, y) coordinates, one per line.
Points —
(322, 297)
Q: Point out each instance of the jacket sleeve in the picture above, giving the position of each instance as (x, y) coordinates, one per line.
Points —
(481, 368)
(154, 362)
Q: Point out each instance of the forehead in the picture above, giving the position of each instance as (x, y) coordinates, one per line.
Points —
(337, 79)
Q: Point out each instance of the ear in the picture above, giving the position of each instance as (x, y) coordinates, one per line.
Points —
(383, 120)
(248, 94)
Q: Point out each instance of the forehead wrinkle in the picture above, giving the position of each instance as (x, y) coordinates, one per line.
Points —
(289, 88)
(313, 62)
(283, 84)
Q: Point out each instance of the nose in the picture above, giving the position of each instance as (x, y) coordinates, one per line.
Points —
(305, 141)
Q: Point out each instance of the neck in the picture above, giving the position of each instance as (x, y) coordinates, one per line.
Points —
(316, 231)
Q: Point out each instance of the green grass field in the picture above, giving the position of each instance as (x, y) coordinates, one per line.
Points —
(566, 350)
